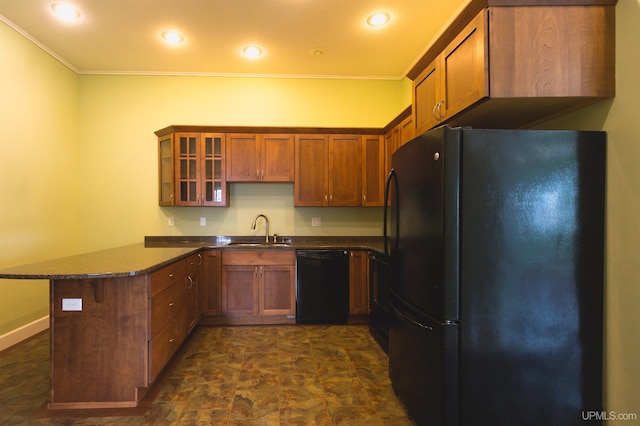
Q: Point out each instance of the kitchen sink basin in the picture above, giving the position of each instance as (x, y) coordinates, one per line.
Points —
(259, 245)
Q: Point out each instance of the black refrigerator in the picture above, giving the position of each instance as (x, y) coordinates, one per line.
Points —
(496, 244)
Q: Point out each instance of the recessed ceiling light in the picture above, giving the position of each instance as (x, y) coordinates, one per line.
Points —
(378, 19)
(65, 11)
(172, 37)
(317, 52)
(252, 51)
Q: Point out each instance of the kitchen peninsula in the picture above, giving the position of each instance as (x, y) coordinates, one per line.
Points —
(117, 316)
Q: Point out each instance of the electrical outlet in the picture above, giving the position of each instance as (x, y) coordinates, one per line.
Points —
(171, 221)
(74, 304)
(203, 221)
(316, 221)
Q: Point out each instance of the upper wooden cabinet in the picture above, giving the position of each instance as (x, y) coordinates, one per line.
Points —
(373, 157)
(399, 131)
(311, 170)
(328, 170)
(512, 66)
(259, 157)
(191, 169)
(454, 80)
(345, 170)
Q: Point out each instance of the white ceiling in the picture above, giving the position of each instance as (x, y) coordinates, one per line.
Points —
(123, 36)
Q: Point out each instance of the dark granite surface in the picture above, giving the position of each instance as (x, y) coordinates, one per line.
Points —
(296, 242)
(123, 261)
(156, 252)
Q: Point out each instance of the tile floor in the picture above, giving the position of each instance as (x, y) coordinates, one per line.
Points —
(263, 375)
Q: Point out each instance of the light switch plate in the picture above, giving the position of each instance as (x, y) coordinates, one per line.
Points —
(171, 221)
(72, 304)
(316, 221)
(203, 221)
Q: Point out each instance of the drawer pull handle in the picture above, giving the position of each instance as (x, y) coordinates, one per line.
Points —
(172, 275)
(172, 340)
(190, 282)
(172, 304)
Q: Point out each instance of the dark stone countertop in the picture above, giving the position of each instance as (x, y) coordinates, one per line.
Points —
(126, 261)
(157, 252)
(295, 242)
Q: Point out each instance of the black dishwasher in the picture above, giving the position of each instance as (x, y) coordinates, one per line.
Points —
(322, 287)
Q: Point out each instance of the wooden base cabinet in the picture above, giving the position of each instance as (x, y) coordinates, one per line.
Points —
(258, 286)
(211, 283)
(358, 282)
(107, 353)
(194, 290)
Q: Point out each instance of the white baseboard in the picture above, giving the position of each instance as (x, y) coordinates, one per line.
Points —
(22, 333)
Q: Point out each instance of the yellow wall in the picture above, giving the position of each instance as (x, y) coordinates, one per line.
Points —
(38, 171)
(78, 169)
(79, 158)
(118, 150)
(620, 119)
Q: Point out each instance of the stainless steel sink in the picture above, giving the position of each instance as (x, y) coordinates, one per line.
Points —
(259, 245)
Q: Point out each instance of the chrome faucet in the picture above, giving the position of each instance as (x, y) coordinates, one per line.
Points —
(266, 219)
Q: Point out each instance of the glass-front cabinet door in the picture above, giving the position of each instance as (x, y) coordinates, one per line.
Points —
(214, 184)
(167, 183)
(192, 169)
(187, 165)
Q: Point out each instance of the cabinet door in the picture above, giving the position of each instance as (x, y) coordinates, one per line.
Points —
(358, 283)
(193, 300)
(239, 290)
(390, 146)
(213, 181)
(211, 279)
(277, 158)
(194, 290)
(243, 158)
(373, 176)
(187, 169)
(277, 290)
(465, 67)
(427, 98)
(345, 170)
(311, 170)
(167, 183)
(407, 131)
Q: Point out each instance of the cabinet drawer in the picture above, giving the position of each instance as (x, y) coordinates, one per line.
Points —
(194, 262)
(165, 344)
(166, 305)
(259, 257)
(168, 275)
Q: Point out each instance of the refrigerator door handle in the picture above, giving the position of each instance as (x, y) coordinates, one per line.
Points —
(387, 187)
(408, 318)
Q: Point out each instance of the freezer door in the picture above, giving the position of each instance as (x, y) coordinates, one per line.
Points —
(423, 367)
